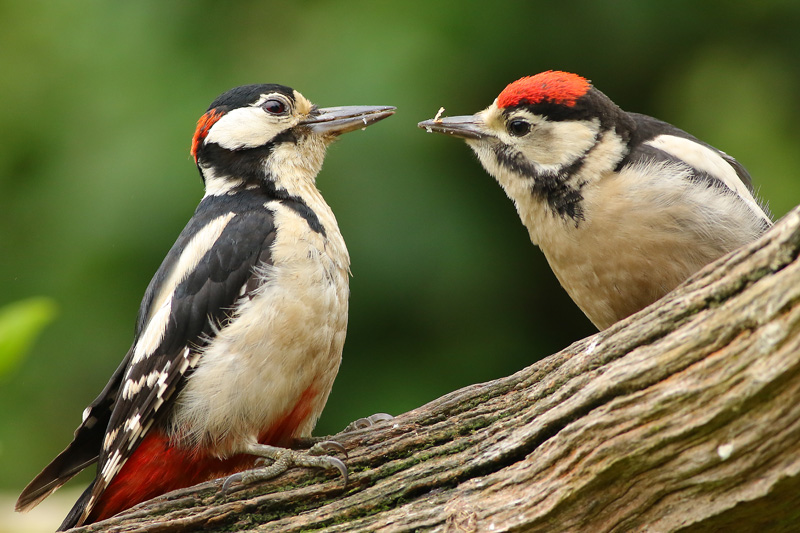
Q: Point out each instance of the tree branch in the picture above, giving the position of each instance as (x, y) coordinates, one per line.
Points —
(684, 417)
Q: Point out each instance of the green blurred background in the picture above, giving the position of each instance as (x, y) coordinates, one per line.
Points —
(99, 102)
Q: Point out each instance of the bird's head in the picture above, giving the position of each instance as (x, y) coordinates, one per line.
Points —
(262, 132)
(537, 133)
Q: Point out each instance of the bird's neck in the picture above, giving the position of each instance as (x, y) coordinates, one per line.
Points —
(551, 202)
(290, 166)
(280, 174)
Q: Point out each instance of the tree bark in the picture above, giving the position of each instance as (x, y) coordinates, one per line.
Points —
(684, 417)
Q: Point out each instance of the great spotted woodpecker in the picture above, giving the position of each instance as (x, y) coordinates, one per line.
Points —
(240, 333)
(625, 207)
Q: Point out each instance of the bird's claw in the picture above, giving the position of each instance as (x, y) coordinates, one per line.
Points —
(327, 446)
(369, 421)
(282, 459)
(230, 480)
(326, 461)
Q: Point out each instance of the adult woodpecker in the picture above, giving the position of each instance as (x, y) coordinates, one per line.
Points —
(240, 332)
(624, 206)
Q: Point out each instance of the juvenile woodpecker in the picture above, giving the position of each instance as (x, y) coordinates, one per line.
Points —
(240, 332)
(624, 206)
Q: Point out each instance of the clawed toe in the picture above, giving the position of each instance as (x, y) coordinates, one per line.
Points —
(279, 460)
(230, 480)
(323, 461)
(369, 421)
(327, 446)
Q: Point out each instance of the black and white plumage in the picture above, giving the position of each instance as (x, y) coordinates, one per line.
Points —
(240, 332)
(625, 207)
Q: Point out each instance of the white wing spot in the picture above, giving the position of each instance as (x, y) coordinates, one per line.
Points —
(111, 467)
(184, 365)
(110, 438)
(132, 424)
(189, 360)
(152, 377)
(135, 427)
(132, 388)
(89, 505)
(162, 382)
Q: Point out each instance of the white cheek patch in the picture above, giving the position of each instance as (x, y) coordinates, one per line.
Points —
(558, 144)
(245, 127)
(706, 160)
(551, 145)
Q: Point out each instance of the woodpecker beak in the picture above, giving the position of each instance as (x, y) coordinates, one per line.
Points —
(338, 120)
(466, 127)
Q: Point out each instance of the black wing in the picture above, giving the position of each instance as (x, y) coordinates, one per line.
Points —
(191, 297)
(208, 269)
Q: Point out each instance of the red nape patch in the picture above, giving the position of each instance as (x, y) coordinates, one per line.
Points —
(203, 125)
(552, 86)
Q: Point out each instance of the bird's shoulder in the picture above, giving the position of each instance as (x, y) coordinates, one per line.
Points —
(653, 140)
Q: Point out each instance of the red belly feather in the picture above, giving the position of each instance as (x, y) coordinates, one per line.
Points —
(157, 467)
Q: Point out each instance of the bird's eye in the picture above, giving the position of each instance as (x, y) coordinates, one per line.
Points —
(275, 107)
(518, 128)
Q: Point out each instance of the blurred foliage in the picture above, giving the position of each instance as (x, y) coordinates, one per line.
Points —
(99, 105)
(20, 324)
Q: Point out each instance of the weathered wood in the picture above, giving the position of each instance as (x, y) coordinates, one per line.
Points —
(684, 417)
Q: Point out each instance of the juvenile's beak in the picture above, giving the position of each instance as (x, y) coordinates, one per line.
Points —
(466, 127)
(338, 120)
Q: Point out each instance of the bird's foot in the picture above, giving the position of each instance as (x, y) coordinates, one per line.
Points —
(369, 421)
(279, 460)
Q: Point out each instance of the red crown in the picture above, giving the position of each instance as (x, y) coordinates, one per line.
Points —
(552, 86)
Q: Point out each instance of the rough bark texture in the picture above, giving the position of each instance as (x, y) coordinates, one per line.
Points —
(684, 417)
